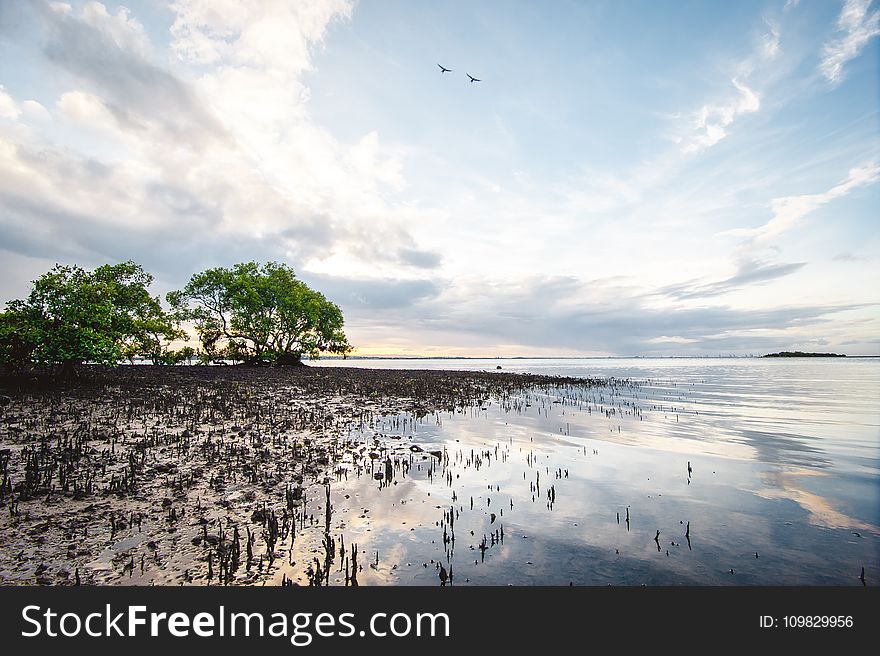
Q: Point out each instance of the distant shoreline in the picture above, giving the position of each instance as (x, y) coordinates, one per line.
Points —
(802, 354)
(586, 357)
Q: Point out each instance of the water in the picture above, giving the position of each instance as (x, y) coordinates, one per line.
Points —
(783, 487)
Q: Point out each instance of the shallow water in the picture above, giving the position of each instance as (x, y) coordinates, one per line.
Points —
(784, 487)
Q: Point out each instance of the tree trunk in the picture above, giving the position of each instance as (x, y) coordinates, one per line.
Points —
(289, 359)
(68, 370)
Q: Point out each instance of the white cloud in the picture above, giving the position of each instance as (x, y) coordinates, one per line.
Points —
(671, 339)
(790, 4)
(125, 31)
(61, 7)
(12, 110)
(33, 109)
(258, 52)
(710, 123)
(109, 57)
(770, 41)
(366, 159)
(858, 27)
(86, 109)
(227, 155)
(8, 107)
(262, 34)
(788, 210)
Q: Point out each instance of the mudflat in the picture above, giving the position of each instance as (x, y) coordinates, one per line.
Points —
(205, 474)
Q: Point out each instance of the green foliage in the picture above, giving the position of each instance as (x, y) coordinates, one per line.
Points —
(186, 354)
(73, 316)
(260, 314)
(18, 339)
(248, 313)
(151, 334)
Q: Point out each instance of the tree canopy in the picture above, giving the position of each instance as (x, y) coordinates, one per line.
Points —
(260, 314)
(72, 316)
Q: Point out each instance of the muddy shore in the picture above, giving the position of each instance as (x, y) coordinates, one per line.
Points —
(141, 475)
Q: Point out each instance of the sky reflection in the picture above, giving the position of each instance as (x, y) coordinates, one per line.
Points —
(765, 497)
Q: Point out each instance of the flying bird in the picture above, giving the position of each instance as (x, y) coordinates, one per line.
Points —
(473, 79)
(443, 69)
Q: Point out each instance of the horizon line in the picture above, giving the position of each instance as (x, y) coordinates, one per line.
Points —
(558, 357)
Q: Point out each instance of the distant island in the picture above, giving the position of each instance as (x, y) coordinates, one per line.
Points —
(802, 354)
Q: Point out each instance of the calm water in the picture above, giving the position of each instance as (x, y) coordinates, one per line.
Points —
(783, 488)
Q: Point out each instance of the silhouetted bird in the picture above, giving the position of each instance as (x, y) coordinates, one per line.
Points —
(473, 79)
(444, 69)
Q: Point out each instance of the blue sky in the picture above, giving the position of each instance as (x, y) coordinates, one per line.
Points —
(627, 178)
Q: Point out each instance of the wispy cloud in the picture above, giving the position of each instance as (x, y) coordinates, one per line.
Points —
(770, 41)
(858, 27)
(846, 256)
(711, 122)
(749, 272)
(788, 210)
(790, 4)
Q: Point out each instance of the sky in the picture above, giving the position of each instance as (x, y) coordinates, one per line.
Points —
(627, 178)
